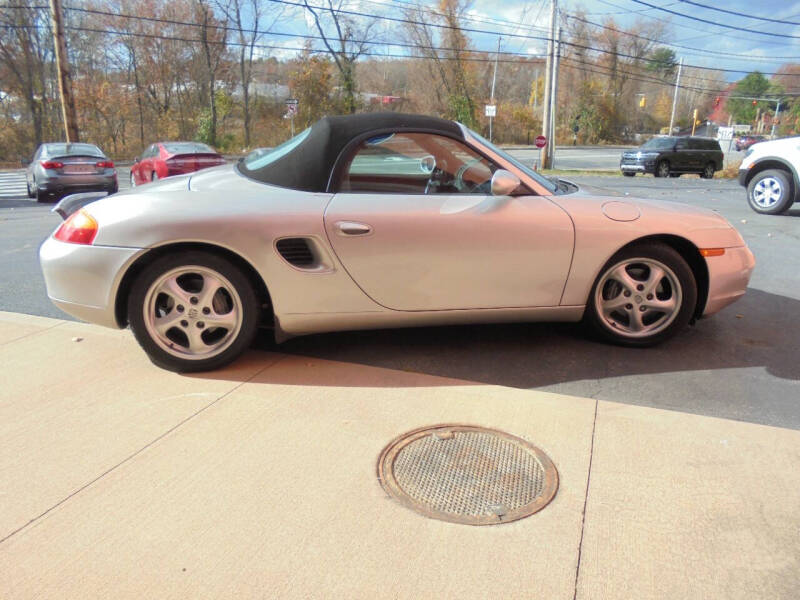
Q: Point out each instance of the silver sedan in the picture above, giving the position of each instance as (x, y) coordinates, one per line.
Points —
(58, 169)
(383, 220)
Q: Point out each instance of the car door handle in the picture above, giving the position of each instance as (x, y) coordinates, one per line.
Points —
(352, 228)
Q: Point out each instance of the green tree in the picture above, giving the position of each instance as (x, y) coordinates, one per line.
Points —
(754, 85)
(662, 61)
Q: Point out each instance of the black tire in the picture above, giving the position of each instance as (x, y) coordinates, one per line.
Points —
(770, 192)
(31, 193)
(153, 176)
(244, 308)
(133, 180)
(708, 171)
(611, 328)
(674, 174)
(628, 173)
(662, 169)
(41, 196)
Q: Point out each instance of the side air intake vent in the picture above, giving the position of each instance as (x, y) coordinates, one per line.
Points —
(296, 251)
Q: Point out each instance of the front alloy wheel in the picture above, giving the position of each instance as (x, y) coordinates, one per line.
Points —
(769, 192)
(193, 312)
(662, 170)
(643, 295)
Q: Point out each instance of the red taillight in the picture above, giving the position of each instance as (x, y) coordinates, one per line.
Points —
(105, 164)
(51, 164)
(79, 228)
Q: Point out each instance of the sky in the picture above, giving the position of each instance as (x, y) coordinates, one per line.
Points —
(703, 42)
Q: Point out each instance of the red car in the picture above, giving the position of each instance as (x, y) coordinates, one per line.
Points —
(163, 159)
(745, 141)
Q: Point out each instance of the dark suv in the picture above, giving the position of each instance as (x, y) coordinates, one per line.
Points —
(673, 156)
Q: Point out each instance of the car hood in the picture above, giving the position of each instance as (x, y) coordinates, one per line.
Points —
(676, 216)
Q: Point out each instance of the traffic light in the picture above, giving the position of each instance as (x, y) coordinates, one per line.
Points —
(643, 102)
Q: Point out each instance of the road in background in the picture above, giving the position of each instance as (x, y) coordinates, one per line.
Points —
(569, 158)
(740, 364)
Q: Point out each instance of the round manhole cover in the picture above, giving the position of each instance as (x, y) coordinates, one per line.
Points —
(467, 474)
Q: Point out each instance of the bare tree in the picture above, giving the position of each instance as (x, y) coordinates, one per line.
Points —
(450, 72)
(248, 39)
(351, 39)
(26, 53)
(212, 39)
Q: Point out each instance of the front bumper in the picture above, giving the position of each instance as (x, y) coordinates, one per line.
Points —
(743, 176)
(83, 280)
(638, 166)
(728, 276)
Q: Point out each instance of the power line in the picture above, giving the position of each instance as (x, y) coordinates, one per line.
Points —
(517, 35)
(713, 52)
(725, 25)
(739, 14)
(317, 37)
(413, 22)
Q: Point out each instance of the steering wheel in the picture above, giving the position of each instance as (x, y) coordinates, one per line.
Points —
(485, 187)
(439, 178)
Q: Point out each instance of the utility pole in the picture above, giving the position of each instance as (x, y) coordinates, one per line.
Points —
(556, 55)
(675, 96)
(774, 119)
(494, 79)
(64, 79)
(548, 89)
(536, 89)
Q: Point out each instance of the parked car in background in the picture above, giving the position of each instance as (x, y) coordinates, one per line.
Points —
(743, 142)
(164, 159)
(672, 156)
(769, 171)
(58, 169)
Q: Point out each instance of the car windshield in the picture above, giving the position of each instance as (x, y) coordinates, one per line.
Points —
(188, 148)
(73, 150)
(256, 160)
(546, 183)
(658, 143)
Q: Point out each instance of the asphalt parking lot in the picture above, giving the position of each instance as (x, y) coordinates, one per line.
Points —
(741, 364)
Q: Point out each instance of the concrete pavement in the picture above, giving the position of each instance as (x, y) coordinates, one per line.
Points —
(120, 480)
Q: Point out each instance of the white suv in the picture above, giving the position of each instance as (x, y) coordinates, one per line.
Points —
(769, 171)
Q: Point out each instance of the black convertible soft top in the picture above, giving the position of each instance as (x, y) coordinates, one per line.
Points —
(308, 165)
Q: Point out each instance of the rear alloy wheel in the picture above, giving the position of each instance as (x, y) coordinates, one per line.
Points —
(193, 311)
(708, 172)
(642, 296)
(662, 169)
(770, 192)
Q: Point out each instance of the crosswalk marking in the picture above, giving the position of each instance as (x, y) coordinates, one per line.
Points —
(12, 184)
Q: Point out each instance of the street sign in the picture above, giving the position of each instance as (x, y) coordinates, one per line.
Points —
(540, 141)
(291, 107)
(491, 110)
(725, 133)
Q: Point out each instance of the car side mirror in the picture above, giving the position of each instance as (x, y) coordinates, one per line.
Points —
(504, 182)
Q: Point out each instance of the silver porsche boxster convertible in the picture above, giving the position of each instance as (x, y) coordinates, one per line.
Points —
(382, 220)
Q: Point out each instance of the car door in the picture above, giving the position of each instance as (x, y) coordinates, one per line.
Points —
(415, 225)
(681, 158)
